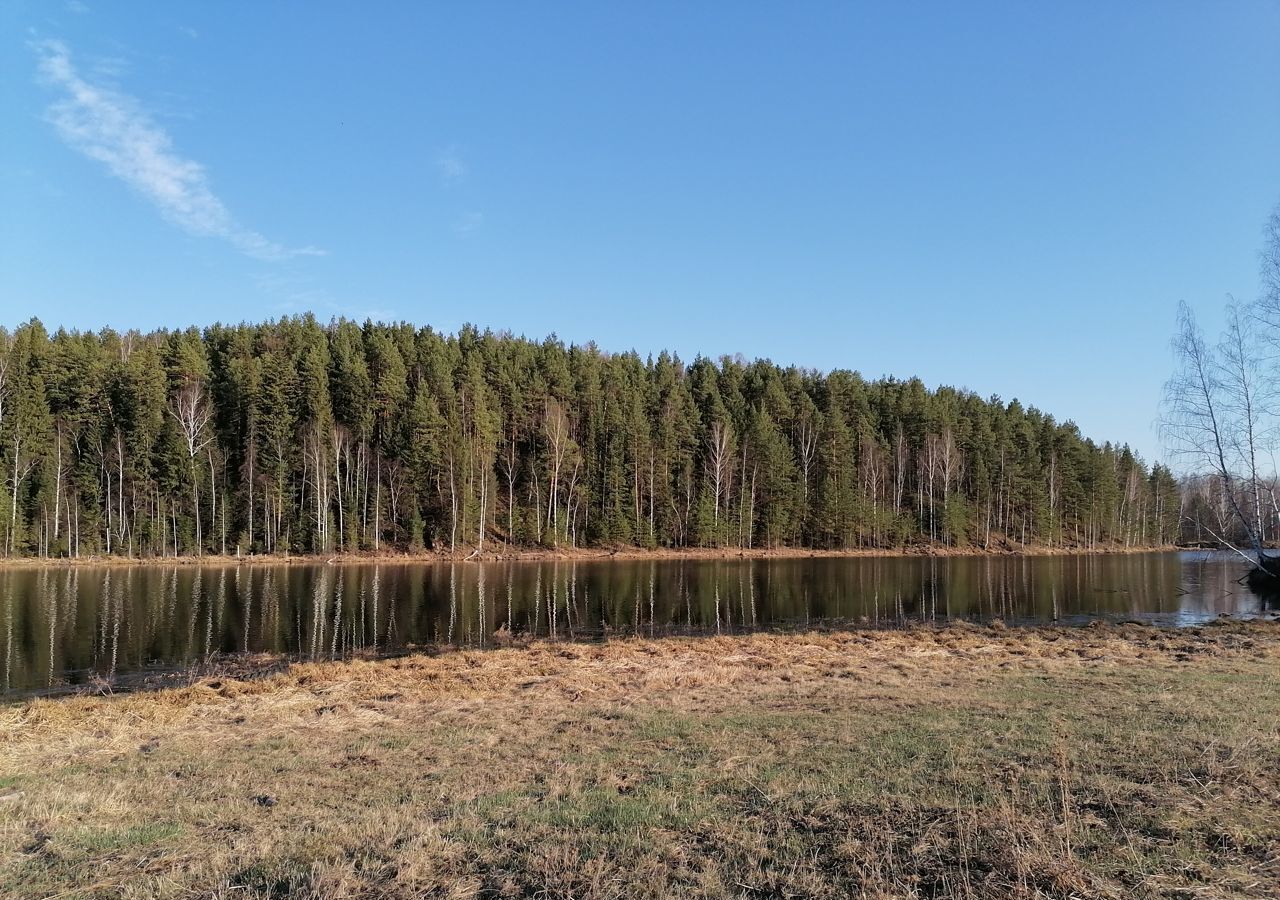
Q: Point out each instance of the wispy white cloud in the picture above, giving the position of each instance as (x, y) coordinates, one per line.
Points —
(451, 166)
(77, 7)
(469, 223)
(112, 128)
(189, 31)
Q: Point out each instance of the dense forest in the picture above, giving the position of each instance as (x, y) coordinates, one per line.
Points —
(296, 436)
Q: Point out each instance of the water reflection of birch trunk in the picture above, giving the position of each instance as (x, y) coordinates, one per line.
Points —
(933, 590)
(480, 599)
(537, 601)
(391, 623)
(453, 601)
(652, 610)
(8, 633)
(269, 615)
(104, 592)
(71, 597)
(377, 582)
(358, 632)
(171, 596)
(339, 580)
(208, 621)
(194, 609)
(717, 599)
(50, 605)
(116, 605)
(319, 595)
(247, 613)
(571, 597)
(555, 597)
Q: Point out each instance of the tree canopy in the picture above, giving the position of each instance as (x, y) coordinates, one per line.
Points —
(297, 436)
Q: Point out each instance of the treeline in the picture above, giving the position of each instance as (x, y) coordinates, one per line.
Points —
(1209, 507)
(294, 436)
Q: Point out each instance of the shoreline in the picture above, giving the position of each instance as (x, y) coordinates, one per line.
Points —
(579, 554)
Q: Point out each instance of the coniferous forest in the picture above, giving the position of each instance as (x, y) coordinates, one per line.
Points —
(300, 437)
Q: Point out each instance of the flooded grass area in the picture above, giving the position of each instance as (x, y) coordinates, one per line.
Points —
(951, 760)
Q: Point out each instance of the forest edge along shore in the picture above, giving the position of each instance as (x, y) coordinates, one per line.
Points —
(580, 555)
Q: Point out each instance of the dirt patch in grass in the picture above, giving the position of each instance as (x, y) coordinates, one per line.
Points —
(1111, 761)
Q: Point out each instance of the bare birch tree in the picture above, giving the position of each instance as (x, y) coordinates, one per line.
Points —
(719, 457)
(1202, 424)
(556, 429)
(192, 411)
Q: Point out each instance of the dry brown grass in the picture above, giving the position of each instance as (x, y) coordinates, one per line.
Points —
(959, 761)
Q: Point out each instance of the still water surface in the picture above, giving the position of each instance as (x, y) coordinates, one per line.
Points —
(61, 628)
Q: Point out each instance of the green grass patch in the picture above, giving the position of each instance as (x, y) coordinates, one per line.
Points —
(108, 840)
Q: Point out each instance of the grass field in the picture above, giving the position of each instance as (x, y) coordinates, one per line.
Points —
(1110, 761)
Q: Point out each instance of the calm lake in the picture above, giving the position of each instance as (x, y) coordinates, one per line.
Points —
(63, 628)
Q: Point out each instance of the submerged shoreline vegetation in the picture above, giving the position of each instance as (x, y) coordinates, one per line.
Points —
(956, 761)
(298, 437)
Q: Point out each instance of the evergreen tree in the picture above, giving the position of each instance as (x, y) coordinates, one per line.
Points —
(297, 436)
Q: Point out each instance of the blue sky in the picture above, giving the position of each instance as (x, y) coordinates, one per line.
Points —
(1006, 197)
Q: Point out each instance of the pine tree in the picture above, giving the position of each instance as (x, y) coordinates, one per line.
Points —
(293, 435)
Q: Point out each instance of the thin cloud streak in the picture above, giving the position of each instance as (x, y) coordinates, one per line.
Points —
(110, 127)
